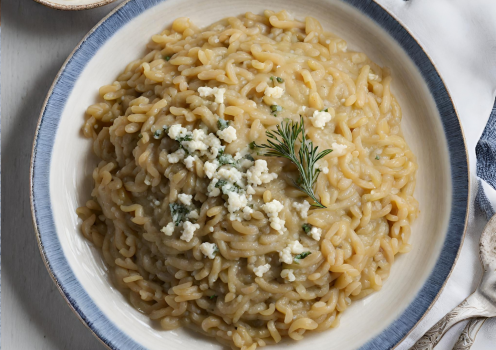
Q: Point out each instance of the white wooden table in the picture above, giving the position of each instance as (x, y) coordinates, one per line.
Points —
(35, 42)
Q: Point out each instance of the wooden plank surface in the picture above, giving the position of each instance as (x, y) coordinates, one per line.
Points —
(35, 42)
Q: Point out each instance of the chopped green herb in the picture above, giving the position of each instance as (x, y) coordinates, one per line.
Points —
(188, 137)
(222, 124)
(167, 58)
(272, 78)
(275, 108)
(157, 134)
(301, 256)
(280, 80)
(326, 110)
(178, 212)
(305, 159)
(212, 296)
(140, 136)
(249, 157)
(306, 228)
(252, 145)
(377, 157)
(225, 158)
(226, 187)
(221, 183)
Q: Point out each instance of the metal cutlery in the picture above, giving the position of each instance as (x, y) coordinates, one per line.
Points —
(481, 303)
(467, 337)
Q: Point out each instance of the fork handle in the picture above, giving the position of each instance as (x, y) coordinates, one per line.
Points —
(470, 307)
(467, 338)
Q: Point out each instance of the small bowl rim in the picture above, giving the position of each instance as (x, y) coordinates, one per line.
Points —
(57, 6)
(357, 5)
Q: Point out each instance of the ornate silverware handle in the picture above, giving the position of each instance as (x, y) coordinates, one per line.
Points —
(467, 338)
(470, 307)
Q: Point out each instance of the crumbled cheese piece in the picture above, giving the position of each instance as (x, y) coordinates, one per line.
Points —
(228, 134)
(189, 162)
(315, 232)
(217, 92)
(193, 215)
(325, 170)
(229, 333)
(214, 144)
(176, 131)
(285, 255)
(185, 198)
(337, 147)
(236, 201)
(231, 174)
(169, 229)
(302, 208)
(147, 181)
(260, 270)
(296, 247)
(272, 210)
(259, 173)
(275, 92)
(320, 118)
(189, 231)
(209, 249)
(210, 168)
(288, 274)
(176, 156)
(196, 143)
(247, 212)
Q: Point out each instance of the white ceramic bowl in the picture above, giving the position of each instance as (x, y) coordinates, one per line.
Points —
(74, 5)
(62, 165)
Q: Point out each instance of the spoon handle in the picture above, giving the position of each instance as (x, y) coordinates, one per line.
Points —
(467, 338)
(470, 307)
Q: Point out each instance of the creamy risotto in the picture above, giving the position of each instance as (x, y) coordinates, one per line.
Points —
(252, 181)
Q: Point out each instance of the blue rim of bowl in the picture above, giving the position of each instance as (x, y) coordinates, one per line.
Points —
(52, 252)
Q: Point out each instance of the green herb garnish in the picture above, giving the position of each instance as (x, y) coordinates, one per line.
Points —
(167, 58)
(221, 183)
(222, 124)
(212, 296)
(249, 157)
(275, 108)
(188, 137)
(280, 80)
(301, 256)
(252, 145)
(225, 158)
(307, 228)
(140, 136)
(157, 134)
(272, 78)
(306, 158)
(226, 187)
(178, 212)
(377, 157)
(326, 110)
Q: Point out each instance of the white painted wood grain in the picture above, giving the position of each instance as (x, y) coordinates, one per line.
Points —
(35, 42)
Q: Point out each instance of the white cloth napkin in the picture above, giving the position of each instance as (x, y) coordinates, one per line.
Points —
(460, 38)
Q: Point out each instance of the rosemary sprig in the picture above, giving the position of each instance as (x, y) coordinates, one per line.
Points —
(306, 158)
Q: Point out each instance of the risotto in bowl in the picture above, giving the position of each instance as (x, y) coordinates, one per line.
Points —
(251, 179)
